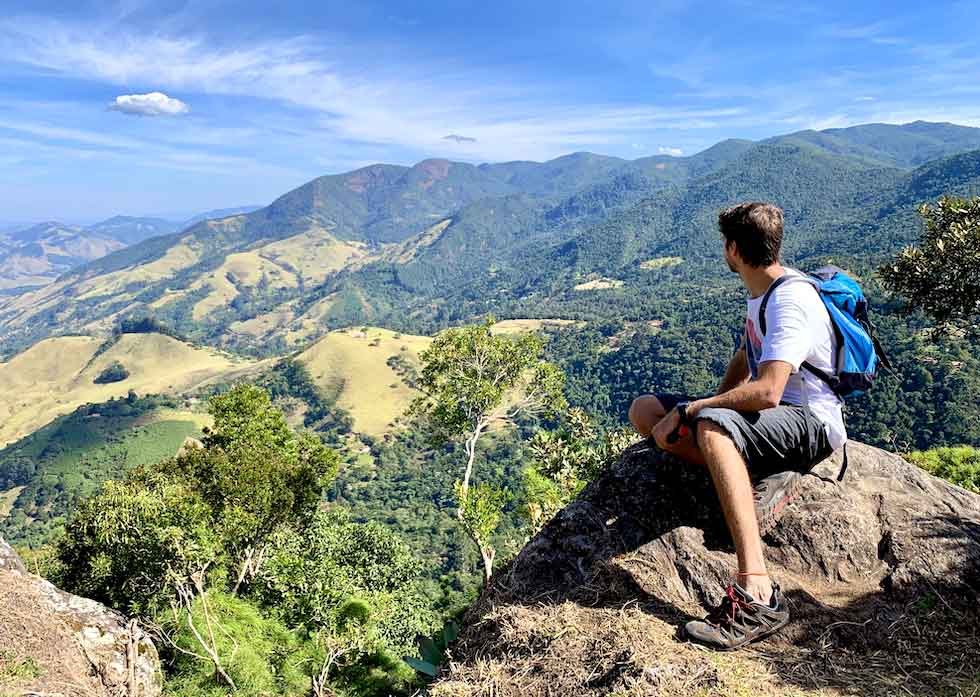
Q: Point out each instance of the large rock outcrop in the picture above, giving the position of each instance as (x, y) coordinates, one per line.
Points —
(56, 643)
(882, 570)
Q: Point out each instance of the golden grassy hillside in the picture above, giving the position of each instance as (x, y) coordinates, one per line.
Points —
(513, 326)
(306, 257)
(357, 360)
(55, 376)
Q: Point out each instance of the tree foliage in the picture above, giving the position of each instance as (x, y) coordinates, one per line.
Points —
(114, 372)
(471, 380)
(565, 460)
(223, 548)
(959, 465)
(942, 274)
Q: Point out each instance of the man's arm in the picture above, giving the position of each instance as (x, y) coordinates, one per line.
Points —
(754, 395)
(736, 373)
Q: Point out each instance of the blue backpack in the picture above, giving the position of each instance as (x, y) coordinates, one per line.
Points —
(859, 353)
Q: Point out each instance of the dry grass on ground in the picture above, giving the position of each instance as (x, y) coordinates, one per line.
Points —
(631, 648)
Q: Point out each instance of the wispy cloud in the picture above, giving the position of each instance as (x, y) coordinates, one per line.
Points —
(150, 104)
(880, 32)
(380, 109)
(673, 152)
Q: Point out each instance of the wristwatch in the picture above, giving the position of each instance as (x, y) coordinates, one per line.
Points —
(683, 425)
(681, 408)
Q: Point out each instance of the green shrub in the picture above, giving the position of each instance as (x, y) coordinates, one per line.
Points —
(257, 652)
(959, 465)
(114, 372)
(311, 577)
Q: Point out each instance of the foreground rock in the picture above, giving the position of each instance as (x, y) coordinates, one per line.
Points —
(55, 643)
(883, 573)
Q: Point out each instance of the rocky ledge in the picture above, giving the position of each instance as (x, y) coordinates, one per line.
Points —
(56, 643)
(882, 571)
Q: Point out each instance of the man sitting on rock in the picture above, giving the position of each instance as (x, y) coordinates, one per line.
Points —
(769, 420)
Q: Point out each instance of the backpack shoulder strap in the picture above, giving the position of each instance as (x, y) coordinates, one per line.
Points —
(765, 301)
(772, 289)
(816, 372)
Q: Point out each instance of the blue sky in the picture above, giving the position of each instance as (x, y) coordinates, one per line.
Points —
(259, 97)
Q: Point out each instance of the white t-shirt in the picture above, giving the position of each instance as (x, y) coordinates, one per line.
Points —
(798, 329)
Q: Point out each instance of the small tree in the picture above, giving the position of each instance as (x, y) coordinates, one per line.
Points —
(942, 274)
(470, 380)
(114, 372)
(565, 460)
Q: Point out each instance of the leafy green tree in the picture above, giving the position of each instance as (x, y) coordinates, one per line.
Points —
(114, 372)
(942, 274)
(257, 652)
(168, 533)
(565, 460)
(959, 465)
(472, 379)
(310, 573)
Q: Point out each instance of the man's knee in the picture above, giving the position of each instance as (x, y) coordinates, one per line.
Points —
(707, 430)
(644, 413)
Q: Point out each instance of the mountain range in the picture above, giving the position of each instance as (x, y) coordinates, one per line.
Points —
(420, 247)
(37, 254)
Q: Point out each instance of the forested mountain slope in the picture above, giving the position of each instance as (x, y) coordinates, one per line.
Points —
(421, 247)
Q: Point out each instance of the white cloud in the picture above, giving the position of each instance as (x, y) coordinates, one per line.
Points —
(150, 104)
(673, 152)
(349, 104)
(398, 112)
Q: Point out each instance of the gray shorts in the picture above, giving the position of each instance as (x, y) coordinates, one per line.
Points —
(772, 440)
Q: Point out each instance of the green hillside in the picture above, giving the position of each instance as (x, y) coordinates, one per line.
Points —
(50, 470)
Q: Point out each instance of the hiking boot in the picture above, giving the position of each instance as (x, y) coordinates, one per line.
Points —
(771, 496)
(739, 620)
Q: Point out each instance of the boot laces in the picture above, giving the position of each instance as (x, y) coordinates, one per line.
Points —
(730, 608)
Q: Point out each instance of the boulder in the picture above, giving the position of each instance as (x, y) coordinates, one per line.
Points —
(882, 572)
(56, 643)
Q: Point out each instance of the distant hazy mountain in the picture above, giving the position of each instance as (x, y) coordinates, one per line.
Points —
(437, 242)
(33, 255)
(130, 230)
(217, 213)
(37, 255)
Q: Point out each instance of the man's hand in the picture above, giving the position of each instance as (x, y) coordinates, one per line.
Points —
(694, 407)
(666, 426)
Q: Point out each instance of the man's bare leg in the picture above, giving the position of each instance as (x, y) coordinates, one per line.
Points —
(731, 479)
(645, 413)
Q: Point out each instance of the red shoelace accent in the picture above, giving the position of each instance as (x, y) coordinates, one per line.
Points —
(730, 606)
